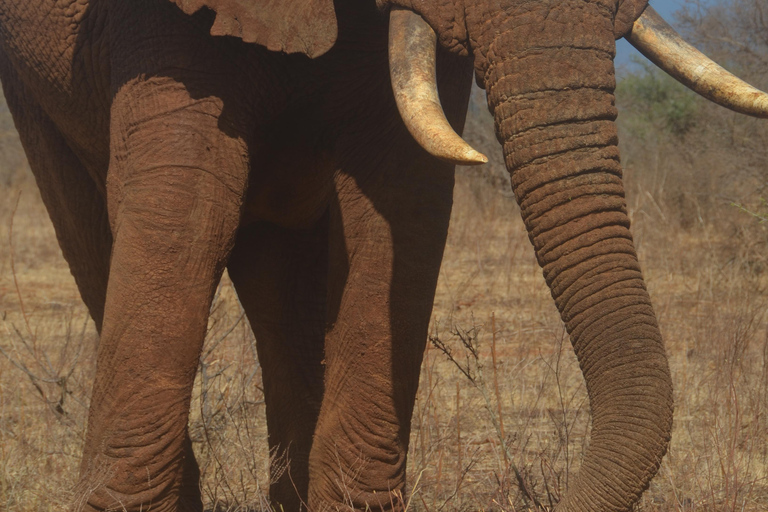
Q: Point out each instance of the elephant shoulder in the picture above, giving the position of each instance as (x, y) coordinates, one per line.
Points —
(290, 26)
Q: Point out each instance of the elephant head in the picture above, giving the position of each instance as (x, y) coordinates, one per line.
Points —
(548, 72)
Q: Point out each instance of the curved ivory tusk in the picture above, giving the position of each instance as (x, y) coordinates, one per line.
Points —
(412, 52)
(655, 39)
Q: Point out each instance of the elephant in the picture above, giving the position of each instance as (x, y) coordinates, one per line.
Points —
(308, 147)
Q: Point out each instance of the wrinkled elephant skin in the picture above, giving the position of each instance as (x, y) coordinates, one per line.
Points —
(174, 139)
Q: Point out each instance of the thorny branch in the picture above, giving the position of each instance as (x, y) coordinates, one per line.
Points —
(473, 371)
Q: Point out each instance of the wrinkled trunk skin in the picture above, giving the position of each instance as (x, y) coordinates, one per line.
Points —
(550, 88)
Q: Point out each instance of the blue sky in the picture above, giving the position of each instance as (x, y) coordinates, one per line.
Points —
(667, 9)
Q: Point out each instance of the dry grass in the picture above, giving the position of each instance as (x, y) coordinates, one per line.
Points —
(489, 433)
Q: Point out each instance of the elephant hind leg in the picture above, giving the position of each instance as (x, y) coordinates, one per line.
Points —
(281, 279)
(75, 205)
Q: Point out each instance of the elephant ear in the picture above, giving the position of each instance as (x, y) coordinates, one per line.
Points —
(290, 26)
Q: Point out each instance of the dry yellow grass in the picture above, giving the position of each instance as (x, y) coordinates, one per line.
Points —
(709, 289)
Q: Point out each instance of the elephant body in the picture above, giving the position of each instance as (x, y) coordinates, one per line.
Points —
(165, 154)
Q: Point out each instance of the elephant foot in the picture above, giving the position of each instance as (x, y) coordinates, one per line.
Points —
(94, 493)
(353, 473)
(137, 469)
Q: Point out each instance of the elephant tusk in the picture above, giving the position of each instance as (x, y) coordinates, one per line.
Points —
(655, 39)
(412, 53)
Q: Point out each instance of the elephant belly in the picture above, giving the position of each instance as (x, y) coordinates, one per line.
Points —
(292, 188)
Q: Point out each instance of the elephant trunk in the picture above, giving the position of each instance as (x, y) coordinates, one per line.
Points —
(551, 94)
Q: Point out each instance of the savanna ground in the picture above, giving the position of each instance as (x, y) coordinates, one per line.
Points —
(502, 418)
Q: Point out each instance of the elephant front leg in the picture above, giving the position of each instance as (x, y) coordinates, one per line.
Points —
(175, 190)
(390, 231)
